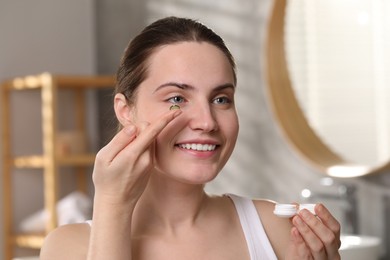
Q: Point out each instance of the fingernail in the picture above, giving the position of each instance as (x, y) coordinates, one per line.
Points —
(304, 213)
(319, 207)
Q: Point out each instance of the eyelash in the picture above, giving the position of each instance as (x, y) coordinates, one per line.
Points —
(222, 100)
(226, 100)
(173, 101)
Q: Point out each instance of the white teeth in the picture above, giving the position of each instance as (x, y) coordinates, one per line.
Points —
(199, 147)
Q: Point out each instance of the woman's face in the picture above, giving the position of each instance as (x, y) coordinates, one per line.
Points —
(198, 77)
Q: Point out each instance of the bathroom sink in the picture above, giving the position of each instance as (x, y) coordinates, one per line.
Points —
(357, 247)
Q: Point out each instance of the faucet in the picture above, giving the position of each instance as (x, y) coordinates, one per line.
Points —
(345, 193)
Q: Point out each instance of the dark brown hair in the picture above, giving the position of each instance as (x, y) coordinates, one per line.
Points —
(133, 67)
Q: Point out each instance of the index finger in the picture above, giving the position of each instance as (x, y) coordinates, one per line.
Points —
(117, 144)
(146, 137)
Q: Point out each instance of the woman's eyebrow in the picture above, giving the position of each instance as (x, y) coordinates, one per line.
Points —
(189, 87)
(225, 86)
(174, 84)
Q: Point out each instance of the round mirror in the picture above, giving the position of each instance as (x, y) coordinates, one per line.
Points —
(328, 84)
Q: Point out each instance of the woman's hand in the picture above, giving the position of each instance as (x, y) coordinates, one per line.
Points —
(121, 173)
(122, 168)
(314, 237)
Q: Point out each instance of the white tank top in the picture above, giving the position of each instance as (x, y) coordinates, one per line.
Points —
(258, 244)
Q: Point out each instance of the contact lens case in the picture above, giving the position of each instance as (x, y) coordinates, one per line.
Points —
(290, 210)
(285, 210)
(309, 207)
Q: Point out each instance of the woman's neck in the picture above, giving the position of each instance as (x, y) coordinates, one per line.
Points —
(169, 205)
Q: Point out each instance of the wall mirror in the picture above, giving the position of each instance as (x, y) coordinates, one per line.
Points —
(328, 72)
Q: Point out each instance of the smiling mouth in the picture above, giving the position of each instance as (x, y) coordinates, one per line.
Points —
(198, 147)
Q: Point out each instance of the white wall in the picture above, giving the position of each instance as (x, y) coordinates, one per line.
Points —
(37, 36)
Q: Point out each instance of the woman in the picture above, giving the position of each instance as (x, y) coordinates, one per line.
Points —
(175, 103)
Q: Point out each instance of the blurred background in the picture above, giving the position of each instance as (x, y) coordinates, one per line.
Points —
(87, 37)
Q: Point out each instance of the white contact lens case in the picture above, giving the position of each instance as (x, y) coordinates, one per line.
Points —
(290, 210)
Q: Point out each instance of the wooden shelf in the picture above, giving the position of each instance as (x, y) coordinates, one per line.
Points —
(49, 161)
(34, 241)
(76, 82)
(39, 161)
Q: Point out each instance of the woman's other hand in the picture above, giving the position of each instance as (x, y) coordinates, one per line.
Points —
(314, 237)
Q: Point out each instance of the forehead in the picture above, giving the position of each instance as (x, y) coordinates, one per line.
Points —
(200, 62)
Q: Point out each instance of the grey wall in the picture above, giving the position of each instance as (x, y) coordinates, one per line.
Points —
(38, 36)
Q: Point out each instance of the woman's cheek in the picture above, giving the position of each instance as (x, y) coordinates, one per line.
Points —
(173, 128)
(149, 114)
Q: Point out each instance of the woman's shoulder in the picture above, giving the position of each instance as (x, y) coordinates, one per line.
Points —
(67, 242)
(265, 209)
(263, 206)
(278, 229)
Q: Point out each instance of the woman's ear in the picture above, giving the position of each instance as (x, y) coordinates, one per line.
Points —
(123, 110)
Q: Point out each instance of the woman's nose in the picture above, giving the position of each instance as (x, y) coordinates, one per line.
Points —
(203, 118)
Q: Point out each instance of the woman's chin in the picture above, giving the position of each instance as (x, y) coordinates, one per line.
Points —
(192, 176)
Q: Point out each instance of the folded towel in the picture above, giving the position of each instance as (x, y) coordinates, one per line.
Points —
(76, 207)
